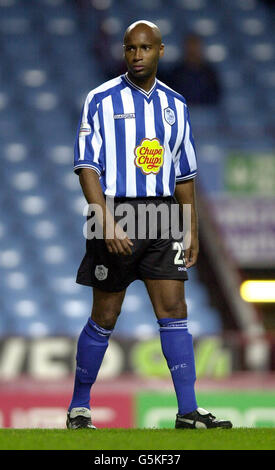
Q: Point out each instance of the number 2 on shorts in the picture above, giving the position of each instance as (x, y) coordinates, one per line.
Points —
(179, 256)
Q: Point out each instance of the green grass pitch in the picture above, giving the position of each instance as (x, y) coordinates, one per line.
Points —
(138, 439)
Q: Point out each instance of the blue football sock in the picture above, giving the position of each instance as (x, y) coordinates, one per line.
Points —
(91, 347)
(177, 347)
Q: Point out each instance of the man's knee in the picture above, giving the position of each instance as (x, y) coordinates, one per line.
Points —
(107, 317)
(173, 309)
(106, 308)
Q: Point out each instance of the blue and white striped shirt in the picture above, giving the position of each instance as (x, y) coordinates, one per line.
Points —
(140, 143)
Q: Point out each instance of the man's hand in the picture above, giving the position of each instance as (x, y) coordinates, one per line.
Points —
(119, 244)
(191, 254)
(185, 194)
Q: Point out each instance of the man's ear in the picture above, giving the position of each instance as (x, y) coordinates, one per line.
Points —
(161, 50)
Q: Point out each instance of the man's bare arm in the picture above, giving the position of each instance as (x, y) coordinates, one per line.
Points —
(120, 243)
(185, 193)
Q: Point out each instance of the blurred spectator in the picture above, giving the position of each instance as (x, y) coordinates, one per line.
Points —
(115, 65)
(194, 77)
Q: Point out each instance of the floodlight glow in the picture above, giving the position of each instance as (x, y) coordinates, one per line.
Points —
(258, 291)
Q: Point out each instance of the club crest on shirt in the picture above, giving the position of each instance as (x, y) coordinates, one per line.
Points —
(85, 129)
(101, 272)
(169, 116)
(149, 156)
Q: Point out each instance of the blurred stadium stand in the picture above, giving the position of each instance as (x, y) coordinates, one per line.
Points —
(49, 63)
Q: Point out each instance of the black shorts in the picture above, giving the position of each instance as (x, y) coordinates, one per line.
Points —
(160, 257)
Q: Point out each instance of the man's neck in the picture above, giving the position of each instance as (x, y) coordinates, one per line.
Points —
(146, 84)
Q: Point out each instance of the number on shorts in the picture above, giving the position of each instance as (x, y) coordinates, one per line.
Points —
(179, 256)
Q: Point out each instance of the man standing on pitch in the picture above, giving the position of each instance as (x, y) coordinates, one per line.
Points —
(124, 122)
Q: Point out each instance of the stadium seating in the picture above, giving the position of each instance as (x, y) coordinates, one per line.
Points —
(48, 65)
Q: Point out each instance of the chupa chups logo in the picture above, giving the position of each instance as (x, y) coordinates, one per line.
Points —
(149, 156)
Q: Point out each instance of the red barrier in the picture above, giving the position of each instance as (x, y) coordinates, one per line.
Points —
(48, 410)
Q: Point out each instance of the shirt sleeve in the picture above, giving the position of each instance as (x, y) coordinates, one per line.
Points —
(88, 144)
(186, 166)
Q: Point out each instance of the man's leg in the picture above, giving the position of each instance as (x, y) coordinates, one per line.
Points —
(168, 300)
(93, 342)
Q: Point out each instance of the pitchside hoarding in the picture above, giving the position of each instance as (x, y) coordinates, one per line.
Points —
(26, 409)
(244, 409)
(53, 358)
(135, 409)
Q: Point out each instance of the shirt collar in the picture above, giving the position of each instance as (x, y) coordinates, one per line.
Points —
(145, 93)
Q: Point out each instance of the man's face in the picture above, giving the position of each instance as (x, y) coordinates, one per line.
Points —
(142, 50)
